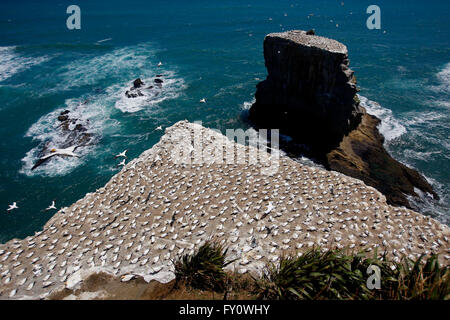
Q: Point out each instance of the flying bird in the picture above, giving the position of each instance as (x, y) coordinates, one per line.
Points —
(160, 64)
(121, 155)
(52, 206)
(158, 128)
(203, 100)
(67, 152)
(12, 206)
(122, 163)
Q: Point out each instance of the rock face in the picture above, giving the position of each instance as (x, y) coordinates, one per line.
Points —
(309, 92)
(310, 95)
(138, 83)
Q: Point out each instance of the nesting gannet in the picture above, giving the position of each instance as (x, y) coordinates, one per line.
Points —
(12, 206)
(121, 155)
(67, 152)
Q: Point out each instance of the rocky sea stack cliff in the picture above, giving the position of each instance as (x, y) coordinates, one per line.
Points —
(310, 94)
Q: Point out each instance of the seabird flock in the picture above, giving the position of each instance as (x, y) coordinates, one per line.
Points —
(156, 209)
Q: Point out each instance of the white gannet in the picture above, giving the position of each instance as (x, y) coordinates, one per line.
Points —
(122, 163)
(160, 64)
(203, 100)
(12, 206)
(52, 206)
(158, 128)
(122, 154)
(67, 152)
(270, 207)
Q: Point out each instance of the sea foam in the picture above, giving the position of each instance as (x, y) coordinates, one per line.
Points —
(444, 79)
(389, 127)
(12, 63)
(93, 115)
(122, 66)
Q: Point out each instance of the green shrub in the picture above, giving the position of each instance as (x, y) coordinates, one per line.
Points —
(314, 275)
(336, 275)
(204, 269)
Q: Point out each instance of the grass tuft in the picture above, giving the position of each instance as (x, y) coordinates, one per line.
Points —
(314, 275)
(204, 269)
(336, 275)
(317, 275)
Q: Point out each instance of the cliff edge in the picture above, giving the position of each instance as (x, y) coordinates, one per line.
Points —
(158, 208)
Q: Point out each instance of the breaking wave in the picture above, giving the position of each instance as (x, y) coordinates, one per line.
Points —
(91, 114)
(389, 127)
(12, 62)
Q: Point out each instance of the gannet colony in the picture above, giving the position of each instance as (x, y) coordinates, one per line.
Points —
(156, 209)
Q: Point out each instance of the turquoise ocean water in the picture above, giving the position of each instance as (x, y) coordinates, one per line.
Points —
(209, 49)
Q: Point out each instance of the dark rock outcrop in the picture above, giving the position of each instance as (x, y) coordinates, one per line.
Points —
(77, 134)
(309, 91)
(138, 83)
(71, 132)
(137, 90)
(310, 95)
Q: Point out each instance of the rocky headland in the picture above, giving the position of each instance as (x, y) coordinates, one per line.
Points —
(310, 94)
(158, 208)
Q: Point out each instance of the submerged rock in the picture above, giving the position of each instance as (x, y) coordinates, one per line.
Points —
(72, 132)
(137, 90)
(63, 118)
(310, 95)
(138, 83)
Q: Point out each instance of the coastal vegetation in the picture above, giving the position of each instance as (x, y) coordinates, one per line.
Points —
(317, 274)
(204, 269)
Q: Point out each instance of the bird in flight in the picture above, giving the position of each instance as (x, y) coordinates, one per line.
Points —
(121, 155)
(122, 163)
(12, 206)
(52, 206)
(67, 152)
(160, 64)
(203, 100)
(158, 128)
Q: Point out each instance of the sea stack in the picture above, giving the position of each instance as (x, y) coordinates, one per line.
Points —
(310, 94)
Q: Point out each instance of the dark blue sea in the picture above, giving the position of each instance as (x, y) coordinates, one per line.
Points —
(208, 49)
